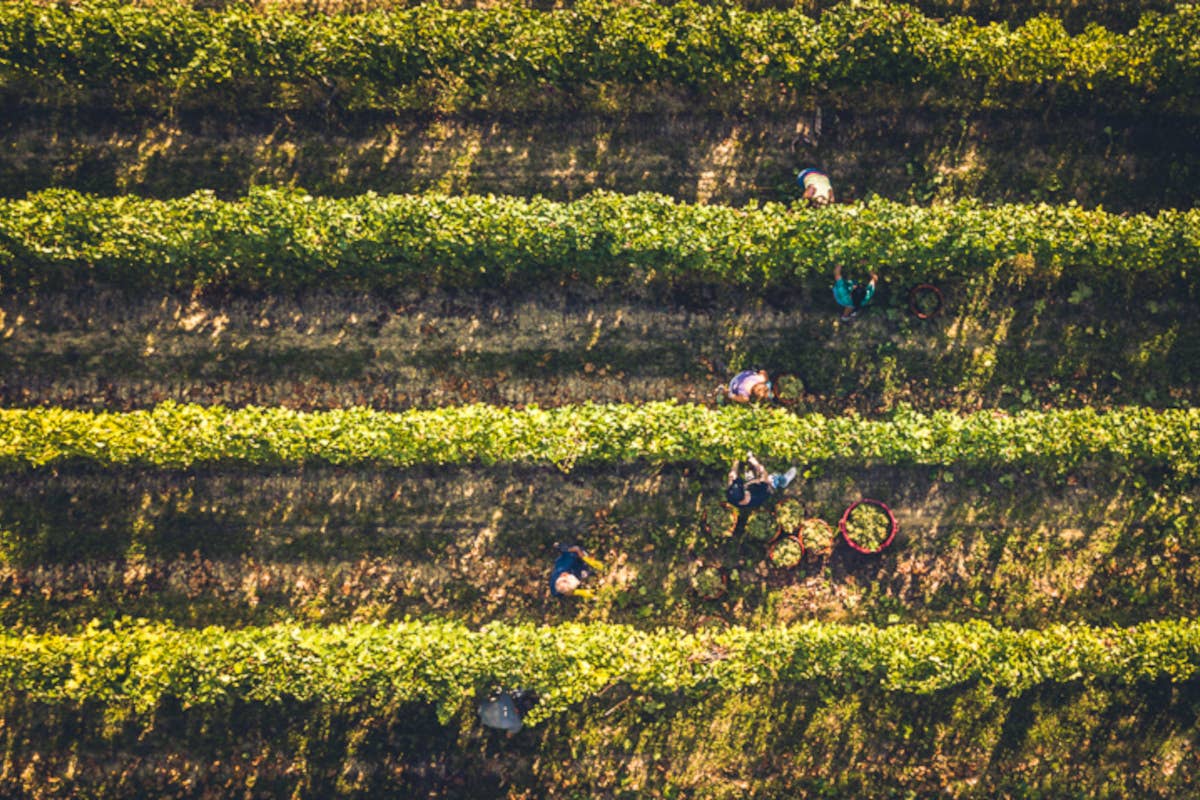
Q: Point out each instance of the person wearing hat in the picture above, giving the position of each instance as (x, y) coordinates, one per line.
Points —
(571, 568)
(818, 190)
(751, 493)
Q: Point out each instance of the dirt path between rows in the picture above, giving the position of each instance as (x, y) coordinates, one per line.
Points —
(1123, 163)
(108, 350)
(254, 546)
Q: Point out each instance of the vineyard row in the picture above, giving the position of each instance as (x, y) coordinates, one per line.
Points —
(172, 435)
(135, 666)
(280, 239)
(1113, 13)
(163, 56)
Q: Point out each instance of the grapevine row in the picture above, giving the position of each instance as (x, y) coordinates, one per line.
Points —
(280, 240)
(163, 56)
(1110, 12)
(172, 435)
(136, 666)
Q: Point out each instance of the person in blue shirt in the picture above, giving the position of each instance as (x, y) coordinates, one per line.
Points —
(757, 490)
(571, 568)
(850, 294)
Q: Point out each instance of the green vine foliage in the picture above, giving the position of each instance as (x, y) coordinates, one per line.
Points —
(175, 435)
(167, 56)
(134, 666)
(1116, 14)
(286, 240)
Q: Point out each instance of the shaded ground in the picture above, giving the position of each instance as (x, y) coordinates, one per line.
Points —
(240, 547)
(113, 351)
(1134, 163)
(795, 741)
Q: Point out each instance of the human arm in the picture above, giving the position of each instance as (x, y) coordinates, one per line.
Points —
(871, 286)
(772, 390)
(726, 391)
(760, 472)
(594, 563)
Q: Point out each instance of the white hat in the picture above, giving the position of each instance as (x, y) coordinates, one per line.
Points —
(566, 583)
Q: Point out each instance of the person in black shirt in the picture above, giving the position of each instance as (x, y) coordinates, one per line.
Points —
(755, 491)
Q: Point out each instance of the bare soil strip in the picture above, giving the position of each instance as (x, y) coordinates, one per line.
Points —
(898, 150)
(332, 544)
(783, 741)
(107, 350)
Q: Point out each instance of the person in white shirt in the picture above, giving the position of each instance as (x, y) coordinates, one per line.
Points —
(818, 190)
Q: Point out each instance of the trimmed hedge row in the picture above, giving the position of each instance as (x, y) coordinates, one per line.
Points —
(173, 435)
(134, 667)
(163, 57)
(277, 239)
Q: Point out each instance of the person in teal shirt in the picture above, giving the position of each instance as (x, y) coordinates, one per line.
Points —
(850, 294)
